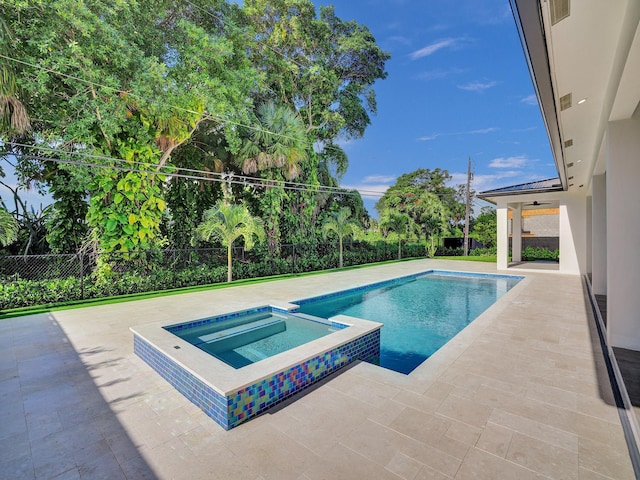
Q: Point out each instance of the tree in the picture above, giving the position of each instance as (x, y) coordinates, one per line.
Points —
(8, 228)
(325, 69)
(318, 63)
(128, 85)
(227, 223)
(485, 227)
(14, 118)
(399, 223)
(276, 147)
(424, 193)
(342, 226)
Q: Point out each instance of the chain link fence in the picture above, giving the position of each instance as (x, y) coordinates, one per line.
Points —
(45, 279)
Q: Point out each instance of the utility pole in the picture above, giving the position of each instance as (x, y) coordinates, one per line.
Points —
(466, 213)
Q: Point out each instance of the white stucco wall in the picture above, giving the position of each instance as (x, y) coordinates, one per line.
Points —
(599, 235)
(573, 233)
(623, 233)
(502, 247)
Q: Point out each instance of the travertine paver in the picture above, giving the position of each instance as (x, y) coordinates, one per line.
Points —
(521, 393)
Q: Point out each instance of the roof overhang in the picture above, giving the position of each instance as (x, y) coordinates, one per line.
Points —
(540, 186)
(530, 25)
(585, 66)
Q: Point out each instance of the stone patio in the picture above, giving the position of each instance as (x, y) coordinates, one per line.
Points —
(521, 393)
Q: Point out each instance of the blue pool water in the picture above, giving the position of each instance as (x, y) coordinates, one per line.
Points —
(420, 314)
(248, 337)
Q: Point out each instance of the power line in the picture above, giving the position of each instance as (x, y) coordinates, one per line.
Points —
(230, 178)
(174, 169)
(197, 174)
(205, 114)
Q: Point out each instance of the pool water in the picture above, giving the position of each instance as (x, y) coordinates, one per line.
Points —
(250, 337)
(419, 315)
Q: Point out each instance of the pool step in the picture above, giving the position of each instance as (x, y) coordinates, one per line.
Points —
(240, 329)
(225, 346)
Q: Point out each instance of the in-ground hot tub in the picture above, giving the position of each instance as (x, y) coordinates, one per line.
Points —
(237, 365)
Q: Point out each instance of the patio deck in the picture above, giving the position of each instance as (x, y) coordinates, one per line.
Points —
(522, 393)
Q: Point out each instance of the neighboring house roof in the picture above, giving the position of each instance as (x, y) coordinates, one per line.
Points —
(539, 186)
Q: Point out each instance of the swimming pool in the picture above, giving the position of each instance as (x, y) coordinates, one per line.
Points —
(246, 338)
(420, 313)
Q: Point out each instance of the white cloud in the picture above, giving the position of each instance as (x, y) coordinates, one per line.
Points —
(433, 48)
(438, 74)
(398, 39)
(509, 162)
(530, 100)
(372, 186)
(483, 131)
(427, 138)
(478, 86)
(379, 179)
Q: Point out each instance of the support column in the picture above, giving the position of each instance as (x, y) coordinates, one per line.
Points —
(599, 235)
(623, 232)
(516, 239)
(502, 220)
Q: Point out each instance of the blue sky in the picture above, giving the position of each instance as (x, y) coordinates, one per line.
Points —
(458, 86)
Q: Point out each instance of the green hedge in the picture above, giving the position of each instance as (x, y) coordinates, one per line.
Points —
(16, 293)
(538, 253)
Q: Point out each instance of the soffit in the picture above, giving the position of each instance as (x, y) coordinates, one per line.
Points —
(582, 51)
(628, 95)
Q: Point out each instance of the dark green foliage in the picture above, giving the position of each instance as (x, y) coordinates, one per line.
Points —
(482, 252)
(66, 225)
(449, 252)
(539, 253)
(484, 228)
(176, 269)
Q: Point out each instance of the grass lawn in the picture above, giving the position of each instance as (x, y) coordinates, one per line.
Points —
(479, 258)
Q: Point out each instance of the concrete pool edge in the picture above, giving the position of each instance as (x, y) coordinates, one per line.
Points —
(216, 388)
(231, 396)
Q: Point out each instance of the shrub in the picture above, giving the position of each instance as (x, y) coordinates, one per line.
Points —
(483, 252)
(449, 252)
(539, 253)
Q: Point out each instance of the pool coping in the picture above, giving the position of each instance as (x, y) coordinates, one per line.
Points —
(225, 379)
(231, 395)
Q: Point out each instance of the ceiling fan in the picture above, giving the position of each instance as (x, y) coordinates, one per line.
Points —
(537, 204)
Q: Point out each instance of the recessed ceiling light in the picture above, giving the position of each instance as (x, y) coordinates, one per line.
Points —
(579, 161)
(580, 102)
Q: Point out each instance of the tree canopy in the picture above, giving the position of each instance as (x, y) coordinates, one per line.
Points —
(122, 95)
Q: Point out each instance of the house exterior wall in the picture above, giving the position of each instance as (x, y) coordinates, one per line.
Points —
(599, 235)
(623, 232)
(572, 220)
(573, 230)
(502, 247)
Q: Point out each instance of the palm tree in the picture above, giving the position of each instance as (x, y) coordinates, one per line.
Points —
(276, 145)
(13, 114)
(8, 228)
(277, 140)
(342, 226)
(399, 223)
(227, 223)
